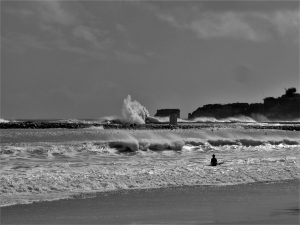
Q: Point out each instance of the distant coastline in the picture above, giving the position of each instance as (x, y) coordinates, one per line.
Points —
(286, 107)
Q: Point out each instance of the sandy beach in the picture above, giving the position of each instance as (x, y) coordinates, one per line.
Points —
(256, 203)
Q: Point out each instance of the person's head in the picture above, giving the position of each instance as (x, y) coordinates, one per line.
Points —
(213, 155)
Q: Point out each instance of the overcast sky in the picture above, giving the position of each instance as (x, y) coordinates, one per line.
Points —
(80, 59)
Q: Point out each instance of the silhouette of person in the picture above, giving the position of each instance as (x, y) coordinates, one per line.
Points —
(213, 161)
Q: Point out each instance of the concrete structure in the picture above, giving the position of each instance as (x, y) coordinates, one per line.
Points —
(167, 112)
(173, 119)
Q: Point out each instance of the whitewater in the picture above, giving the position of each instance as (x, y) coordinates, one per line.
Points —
(48, 164)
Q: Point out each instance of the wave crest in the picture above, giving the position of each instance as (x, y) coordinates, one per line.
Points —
(133, 111)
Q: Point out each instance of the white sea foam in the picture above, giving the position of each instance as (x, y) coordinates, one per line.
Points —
(95, 128)
(133, 111)
(4, 120)
(159, 119)
(48, 164)
(168, 170)
(74, 121)
(225, 120)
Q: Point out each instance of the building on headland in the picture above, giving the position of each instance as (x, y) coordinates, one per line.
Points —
(173, 115)
(285, 107)
(167, 112)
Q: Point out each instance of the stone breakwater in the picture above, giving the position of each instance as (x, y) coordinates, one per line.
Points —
(295, 126)
(44, 125)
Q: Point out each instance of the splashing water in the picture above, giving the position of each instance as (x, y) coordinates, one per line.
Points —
(3, 121)
(133, 111)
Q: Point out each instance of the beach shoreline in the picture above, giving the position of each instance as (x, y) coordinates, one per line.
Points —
(253, 203)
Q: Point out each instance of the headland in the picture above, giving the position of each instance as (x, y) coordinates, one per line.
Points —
(285, 107)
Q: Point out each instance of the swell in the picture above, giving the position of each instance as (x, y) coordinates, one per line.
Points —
(60, 135)
(179, 144)
(133, 145)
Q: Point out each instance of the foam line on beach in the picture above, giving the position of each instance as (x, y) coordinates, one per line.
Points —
(17, 188)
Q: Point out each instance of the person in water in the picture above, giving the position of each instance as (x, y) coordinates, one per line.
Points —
(213, 161)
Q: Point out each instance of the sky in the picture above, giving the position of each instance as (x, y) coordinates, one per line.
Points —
(80, 59)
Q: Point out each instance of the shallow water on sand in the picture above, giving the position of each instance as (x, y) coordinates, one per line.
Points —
(255, 203)
(59, 163)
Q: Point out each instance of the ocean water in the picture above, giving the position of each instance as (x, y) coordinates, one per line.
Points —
(48, 164)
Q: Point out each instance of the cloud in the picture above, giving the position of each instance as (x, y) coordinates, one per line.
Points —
(228, 25)
(70, 27)
(19, 43)
(130, 57)
(66, 46)
(53, 12)
(92, 36)
(285, 21)
(20, 12)
(243, 25)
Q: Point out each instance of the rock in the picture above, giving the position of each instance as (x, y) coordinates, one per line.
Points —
(286, 107)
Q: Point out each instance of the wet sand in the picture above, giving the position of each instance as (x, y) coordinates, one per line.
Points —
(256, 203)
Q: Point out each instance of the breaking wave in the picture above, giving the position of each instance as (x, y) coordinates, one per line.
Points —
(133, 111)
(154, 140)
(60, 163)
(50, 151)
(65, 178)
(4, 121)
(242, 119)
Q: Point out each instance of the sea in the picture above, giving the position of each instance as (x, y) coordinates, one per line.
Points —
(51, 164)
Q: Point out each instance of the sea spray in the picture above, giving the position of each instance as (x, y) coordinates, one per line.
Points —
(3, 121)
(236, 119)
(133, 111)
(259, 117)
